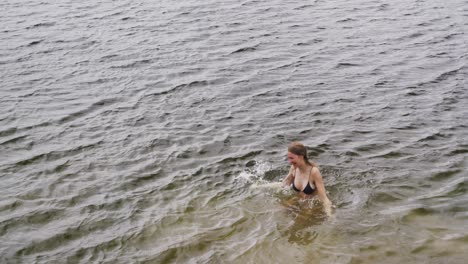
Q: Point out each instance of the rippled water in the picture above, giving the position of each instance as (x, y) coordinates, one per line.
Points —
(156, 131)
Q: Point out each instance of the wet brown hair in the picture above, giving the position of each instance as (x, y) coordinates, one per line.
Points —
(299, 149)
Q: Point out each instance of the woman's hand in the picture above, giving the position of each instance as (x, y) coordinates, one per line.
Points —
(327, 207)
(289, 178)
(317, 178)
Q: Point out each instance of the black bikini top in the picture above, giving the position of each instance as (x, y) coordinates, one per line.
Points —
(307, 190)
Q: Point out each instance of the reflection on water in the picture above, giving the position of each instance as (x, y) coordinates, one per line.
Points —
(304, 214)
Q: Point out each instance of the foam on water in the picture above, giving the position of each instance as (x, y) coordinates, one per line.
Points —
(254, 176)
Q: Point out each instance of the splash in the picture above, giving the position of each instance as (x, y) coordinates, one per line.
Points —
(255, 176)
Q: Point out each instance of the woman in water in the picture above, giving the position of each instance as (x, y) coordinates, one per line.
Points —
(304, 176)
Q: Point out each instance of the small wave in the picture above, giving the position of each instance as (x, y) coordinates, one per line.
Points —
(384, 196)
(346, 20)
(110, 57)
(303, 7)
(85, 45)
(133, 64)
(445, 75)
(459, 151)
(67, 236)
(8, 132)
(393, 155)
(32, 43)
(444, 175)
(46, 24)
(93, 107)
(415, 92)
(240, 158)
(54, 155)
(434, 136)
(35, 218)
(246, 49)
(346, 65)
(180, 87)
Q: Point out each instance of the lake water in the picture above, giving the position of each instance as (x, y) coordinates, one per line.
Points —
(156, 131)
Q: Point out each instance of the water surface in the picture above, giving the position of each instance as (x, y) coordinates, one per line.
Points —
(156, 131)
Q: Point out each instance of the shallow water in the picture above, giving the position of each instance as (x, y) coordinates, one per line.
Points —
(156, 132)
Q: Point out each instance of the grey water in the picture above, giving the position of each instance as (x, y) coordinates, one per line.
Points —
(157, 131)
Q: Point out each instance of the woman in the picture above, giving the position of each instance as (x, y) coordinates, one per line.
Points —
(304, 176)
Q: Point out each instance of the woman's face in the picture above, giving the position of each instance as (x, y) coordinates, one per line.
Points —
(294, 159)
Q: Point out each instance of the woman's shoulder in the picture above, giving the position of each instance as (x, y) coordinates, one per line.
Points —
(315, 172)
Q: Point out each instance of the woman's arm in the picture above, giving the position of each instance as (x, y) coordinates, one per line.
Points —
(289, 178)
(317, 179)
